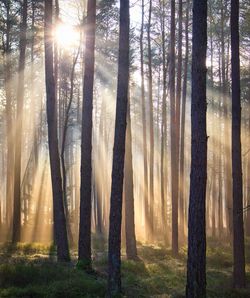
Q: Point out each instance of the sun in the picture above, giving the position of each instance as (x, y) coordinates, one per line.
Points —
(67, 35)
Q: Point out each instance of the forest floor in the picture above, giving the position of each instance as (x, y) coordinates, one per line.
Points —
(30, 270)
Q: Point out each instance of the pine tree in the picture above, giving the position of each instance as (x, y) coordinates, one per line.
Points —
(196, 264)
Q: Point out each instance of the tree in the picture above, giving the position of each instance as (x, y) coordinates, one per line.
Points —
(56, 177)
(196, 264)
(114, 249)
(183, 120)
(151, 128)
(144, 124)
(131, 249)
(163, 161)
(9, 113)
(84, 248)
(238, 229)
(177, 108)
(174, 170)
(18, 128)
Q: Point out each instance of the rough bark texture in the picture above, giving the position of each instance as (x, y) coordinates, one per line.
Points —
(114, 251)
(196, 265)
(238, 229)
(131, 250)
(58, 208)
(84, 248)
(16, 235)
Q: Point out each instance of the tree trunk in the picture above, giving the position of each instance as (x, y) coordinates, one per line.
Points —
(84, 246)
(114, 250)
(238, 229)
(131, 250)
(174, 170)
(183, 125)
(56, 178)
(9, 120)
(16, 235)
(196, 264)
(151, 129)
(163, 163)
(144, 127)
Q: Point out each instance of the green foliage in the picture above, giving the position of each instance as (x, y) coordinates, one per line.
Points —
(48, 280)
(83, 264)
(27, 248)
(156, 274)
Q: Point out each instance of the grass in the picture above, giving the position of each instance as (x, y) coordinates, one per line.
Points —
(30, 270)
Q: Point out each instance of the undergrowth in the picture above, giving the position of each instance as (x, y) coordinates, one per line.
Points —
(28, 270)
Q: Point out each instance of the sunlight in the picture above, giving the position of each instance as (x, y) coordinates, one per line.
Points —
(67, 35)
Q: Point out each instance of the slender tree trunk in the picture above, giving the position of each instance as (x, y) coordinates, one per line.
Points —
(84, 249)
(9, 120)
(174, 171)
(131, 250)
(64, 138)
(196, 264)
(114, 250)
(248, 176)
(58, 208)
(16, 236)
(144, 125)
(151, 128)
(238, 229)
(183, 121)
(164, 126)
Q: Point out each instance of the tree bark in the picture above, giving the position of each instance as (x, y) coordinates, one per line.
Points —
(196, 264)
(239, 278)
(114, 250)
(84, 246)
(56, 178)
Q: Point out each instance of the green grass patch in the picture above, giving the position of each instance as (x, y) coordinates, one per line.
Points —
(156, 274)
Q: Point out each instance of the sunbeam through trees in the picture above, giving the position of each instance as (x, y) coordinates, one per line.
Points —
(124, 148)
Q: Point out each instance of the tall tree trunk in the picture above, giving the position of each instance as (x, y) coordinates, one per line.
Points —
(16, 235)
(144, 126)
(174, 166)
(9, 119)
(131, 250)
(163, 162)
(247, 223)
(183, 121)
(196, 264)
(114, 250)
(58, 208)
(64, 138)
(84, 246)
(151, 128)
(238, 229)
